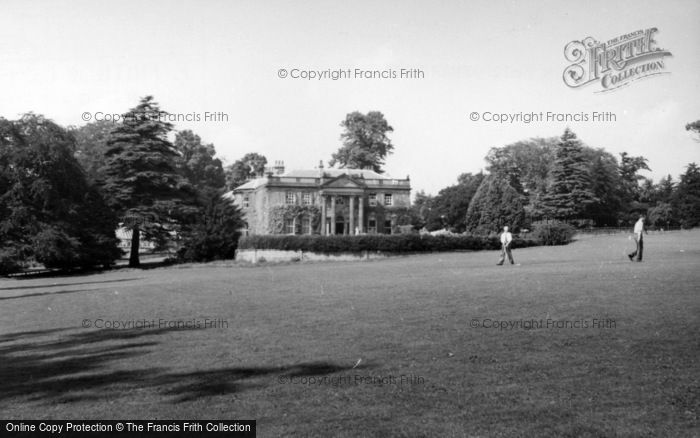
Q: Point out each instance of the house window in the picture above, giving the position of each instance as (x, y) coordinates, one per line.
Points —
(306, 225)
(340, 200)
(388, 199)
(372, 199)
(289, 226)
(290, 198)
(246, 201)
(387, 226)
(306, 198)
(372, 225)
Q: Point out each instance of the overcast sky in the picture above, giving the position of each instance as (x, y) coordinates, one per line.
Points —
(65, 58)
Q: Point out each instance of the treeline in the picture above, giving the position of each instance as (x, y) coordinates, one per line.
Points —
(562, 179)
(64, 192)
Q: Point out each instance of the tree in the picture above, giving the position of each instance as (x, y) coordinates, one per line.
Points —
(421, 207)
(659, 196)
(629, 172)
(48, 211)
(213, 231)
(571, 191)
(494, 205)
(197, 162)
(90, 147)
(661, 215)
(449, 208)
(686, 200)
(365, 142)
(214, 235)
(245, 169)
(665, 189)
(525, 163)
(141, 178)
(606, 186)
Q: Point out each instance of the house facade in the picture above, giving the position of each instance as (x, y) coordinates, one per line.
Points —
(322, 201)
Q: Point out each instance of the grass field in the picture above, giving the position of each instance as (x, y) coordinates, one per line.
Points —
(320, 349)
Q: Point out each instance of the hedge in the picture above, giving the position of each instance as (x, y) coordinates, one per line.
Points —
(377, 242)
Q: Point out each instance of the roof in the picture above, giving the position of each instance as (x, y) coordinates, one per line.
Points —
(314, 173)
(252, 184)
(332, 173)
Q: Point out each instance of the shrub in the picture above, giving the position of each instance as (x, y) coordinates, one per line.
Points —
(396, 243)
(555, 233)
(8, 261)
(56, 249)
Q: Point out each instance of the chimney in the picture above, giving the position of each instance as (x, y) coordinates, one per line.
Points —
(279, 167)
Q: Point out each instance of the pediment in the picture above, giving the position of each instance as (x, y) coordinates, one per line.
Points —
(342, 182)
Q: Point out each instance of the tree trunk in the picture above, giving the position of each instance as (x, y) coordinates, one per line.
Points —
(134, 261)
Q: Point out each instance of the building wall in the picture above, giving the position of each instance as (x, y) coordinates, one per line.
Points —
(262, 199)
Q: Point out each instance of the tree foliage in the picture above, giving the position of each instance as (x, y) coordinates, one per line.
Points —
(245, 169)
(91, 146)
(141, 177)
(606, 185)
(198, 163)
(526, 164)
(661, 215)
(629, 173)
(365, 142)
(215, 233)
(686, 200)
(495, 204)
(449, 207)
(49, 213)
(212, 228)
(570, 191)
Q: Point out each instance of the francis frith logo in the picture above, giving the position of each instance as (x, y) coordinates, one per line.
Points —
(616, 62)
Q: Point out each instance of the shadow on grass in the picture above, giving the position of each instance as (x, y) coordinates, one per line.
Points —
(144, 265)
(82, 366)
(79, 272)
(41, 294)
(69, 284)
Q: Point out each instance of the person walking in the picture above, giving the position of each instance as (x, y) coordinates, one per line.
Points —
(638, 230)
(506, 239)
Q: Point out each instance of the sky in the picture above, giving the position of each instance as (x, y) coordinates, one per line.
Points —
(78, 60)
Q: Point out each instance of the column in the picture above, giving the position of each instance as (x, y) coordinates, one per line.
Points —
(361, 215)
(332, 215)
(323, 215)
(352, 215)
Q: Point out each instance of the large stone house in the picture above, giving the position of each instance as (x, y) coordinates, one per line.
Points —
(322, 201)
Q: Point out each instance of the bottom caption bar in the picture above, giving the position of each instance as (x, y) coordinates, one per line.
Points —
(127, 428)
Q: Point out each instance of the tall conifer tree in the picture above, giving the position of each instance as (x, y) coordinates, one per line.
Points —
(141, 179)
(571, 190)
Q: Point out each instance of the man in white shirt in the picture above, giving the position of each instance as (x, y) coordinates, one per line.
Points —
(638, 230)
(506, 239)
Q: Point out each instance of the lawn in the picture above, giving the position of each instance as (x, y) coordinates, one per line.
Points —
(394, 347)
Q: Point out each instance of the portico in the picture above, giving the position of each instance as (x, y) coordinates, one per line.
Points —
(342, 213)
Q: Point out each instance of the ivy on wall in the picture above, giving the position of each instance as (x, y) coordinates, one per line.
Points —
(401, 215)
(279, 214)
